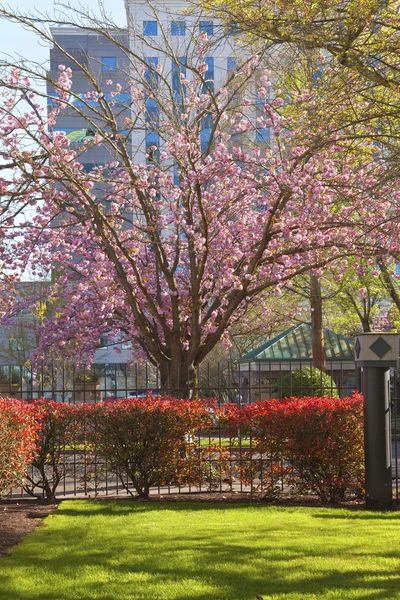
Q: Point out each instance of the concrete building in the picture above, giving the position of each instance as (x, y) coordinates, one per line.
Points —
(164, 33)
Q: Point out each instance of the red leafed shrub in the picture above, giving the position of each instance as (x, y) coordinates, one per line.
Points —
(58, 428)
(319, 442)
(18, 434)
(307, 445)
(205, 466)
(143, 440)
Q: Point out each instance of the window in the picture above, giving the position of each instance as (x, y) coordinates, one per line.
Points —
(150, 76)
(177, 71)
(263, 134)
(108, 63)
(178, 28)
(205, 138)
(209, 76)
(177, 179)
(232, 29)
(152, 115)
(150, 28)
(231, 65)
(206, 27)
(206, 129)
(152, 147)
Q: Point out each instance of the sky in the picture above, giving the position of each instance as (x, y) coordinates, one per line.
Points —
(16, 41)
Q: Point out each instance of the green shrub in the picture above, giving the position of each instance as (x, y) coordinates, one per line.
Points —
(308, 382)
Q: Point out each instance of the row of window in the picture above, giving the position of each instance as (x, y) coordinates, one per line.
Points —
(109, 63)
(178, 28)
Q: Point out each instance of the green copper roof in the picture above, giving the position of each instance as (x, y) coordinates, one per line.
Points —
(296, 344)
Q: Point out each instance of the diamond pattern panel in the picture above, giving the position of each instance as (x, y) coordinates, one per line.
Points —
(380, 347)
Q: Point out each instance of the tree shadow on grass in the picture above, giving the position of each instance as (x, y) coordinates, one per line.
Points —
(193, 565)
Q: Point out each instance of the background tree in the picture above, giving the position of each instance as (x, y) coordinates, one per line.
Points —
(351, 300)
(358, 48)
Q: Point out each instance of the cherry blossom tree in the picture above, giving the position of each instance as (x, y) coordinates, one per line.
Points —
(174, 265)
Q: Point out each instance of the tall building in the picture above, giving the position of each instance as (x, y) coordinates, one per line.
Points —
(159, 35)
(164, 33)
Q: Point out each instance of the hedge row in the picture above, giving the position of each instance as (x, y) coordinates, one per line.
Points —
(307, 445)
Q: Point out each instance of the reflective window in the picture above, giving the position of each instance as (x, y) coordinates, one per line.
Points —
(108, 63)
(150, 76)
(206, 27)
(231, 65)
(150, 28)
(177, 71)
(178, 28)
(209, 75)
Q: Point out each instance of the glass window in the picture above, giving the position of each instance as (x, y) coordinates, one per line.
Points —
(150, 28)
(206, 129)
(206, 27)
(108, 63)
(209, 75)
(233, 29)
(177, 71)
(231, 65)
(152, 61)
(263, 134)
(152, 147)
(150, 75)
(177, 179)
(152, 114)
(178, 28)
(205, 138)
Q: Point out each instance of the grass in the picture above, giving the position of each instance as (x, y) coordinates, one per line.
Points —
(193, 551)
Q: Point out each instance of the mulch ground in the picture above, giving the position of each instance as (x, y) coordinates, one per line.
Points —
(17, 519)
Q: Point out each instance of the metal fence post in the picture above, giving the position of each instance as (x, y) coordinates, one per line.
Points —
(376, 353)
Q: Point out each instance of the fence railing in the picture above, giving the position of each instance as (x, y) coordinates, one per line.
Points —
(177, 446)
(233, 381)
(227, 381)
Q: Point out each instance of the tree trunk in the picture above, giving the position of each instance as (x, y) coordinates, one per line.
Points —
(388, 283)
(317, 332)
(179, 379)
(366, 325)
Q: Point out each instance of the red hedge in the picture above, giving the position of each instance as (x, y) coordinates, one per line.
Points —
(19, 423)
(307, 445)
(318, 441)
(58, 429)
(144, 440)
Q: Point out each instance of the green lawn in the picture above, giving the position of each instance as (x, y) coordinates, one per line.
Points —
(194, 551)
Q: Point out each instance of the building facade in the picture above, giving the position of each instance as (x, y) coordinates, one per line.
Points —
(93, 59)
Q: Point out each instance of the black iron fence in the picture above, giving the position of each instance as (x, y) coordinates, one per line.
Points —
(239, 466)
(228, 381)
(84, 473)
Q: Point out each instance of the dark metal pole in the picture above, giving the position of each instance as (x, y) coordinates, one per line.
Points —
(358, 372)
(375, 386)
